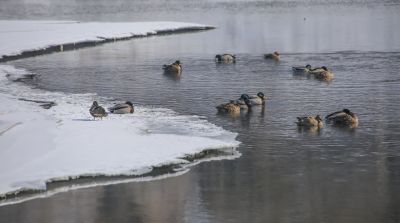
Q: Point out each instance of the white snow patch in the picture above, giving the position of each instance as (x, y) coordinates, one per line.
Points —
(39, 145)
(17, 36)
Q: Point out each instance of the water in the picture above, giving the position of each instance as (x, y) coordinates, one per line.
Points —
(283, 175)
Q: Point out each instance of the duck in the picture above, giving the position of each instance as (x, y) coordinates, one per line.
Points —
(254, 100)
(225, 58)
(123, 108)
(343, 118)
(301, 69)
(310, 122)
(233, 106)
(97, 111)
(274, 56)
(174, 68)
(322, 73)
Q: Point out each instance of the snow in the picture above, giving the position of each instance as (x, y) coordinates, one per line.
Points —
(18, 36)
(40, 145)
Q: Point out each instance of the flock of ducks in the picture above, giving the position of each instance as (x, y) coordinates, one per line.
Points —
(245, 102)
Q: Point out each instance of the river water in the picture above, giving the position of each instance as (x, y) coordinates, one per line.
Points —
(284, 174)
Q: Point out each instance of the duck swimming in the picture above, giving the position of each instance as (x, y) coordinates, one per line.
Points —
(254, 100)
(322, 73)
(343, 118)
(97, 111)
(274, 56)
(123, 108)
(310, 122)
(225, 58)
(302, 69)
(174, 68)
(233, 106)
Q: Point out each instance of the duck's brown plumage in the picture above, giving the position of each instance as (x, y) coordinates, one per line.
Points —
(310, 121)
(97, 111)
(274, 56)
(343, 118)
(174, 68)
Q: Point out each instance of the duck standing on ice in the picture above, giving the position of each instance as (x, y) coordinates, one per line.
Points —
(97, 111)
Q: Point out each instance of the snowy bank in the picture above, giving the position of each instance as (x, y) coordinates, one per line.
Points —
(29, 38)
(40, 145)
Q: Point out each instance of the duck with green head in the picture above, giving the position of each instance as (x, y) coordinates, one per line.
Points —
(123, 108)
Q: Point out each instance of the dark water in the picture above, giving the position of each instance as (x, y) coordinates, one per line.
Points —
(283, 175)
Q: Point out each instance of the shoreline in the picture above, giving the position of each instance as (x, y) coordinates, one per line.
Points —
(92, 43)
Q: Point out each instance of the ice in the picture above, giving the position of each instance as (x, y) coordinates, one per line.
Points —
(18, 36)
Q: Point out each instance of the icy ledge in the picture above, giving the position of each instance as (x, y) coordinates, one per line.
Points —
(21, 39)
(40, 145)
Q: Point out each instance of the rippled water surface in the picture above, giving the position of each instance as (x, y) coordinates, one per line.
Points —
(284, 174)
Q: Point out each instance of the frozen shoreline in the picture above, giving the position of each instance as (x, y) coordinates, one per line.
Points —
(63, 142)
(21, 39)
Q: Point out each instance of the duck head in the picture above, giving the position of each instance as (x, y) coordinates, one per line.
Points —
(261, 95)
(177, 62)
(95, 103)
(129, 103)
(276, 53)
(324, 68)
(218, 57)
(245, 96)
(308, 66)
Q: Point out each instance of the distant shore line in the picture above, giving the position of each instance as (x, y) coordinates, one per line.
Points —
(92, 43)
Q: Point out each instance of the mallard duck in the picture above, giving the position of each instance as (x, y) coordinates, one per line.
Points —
(123, 108)
(310, 121)
(174, 68)
(302, 69)
(234, 106)
(254, 100)
(343, 118)
(274, 56)
(322, 73)
(225, 58)
(97, 111)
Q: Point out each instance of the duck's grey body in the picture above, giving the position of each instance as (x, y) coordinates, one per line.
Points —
(274, 56)
(225, 58)
(254, 100)
(97, 111)
(310, 122)
(301, 69)
(343, 118)
(123, 108)
(174, 68)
